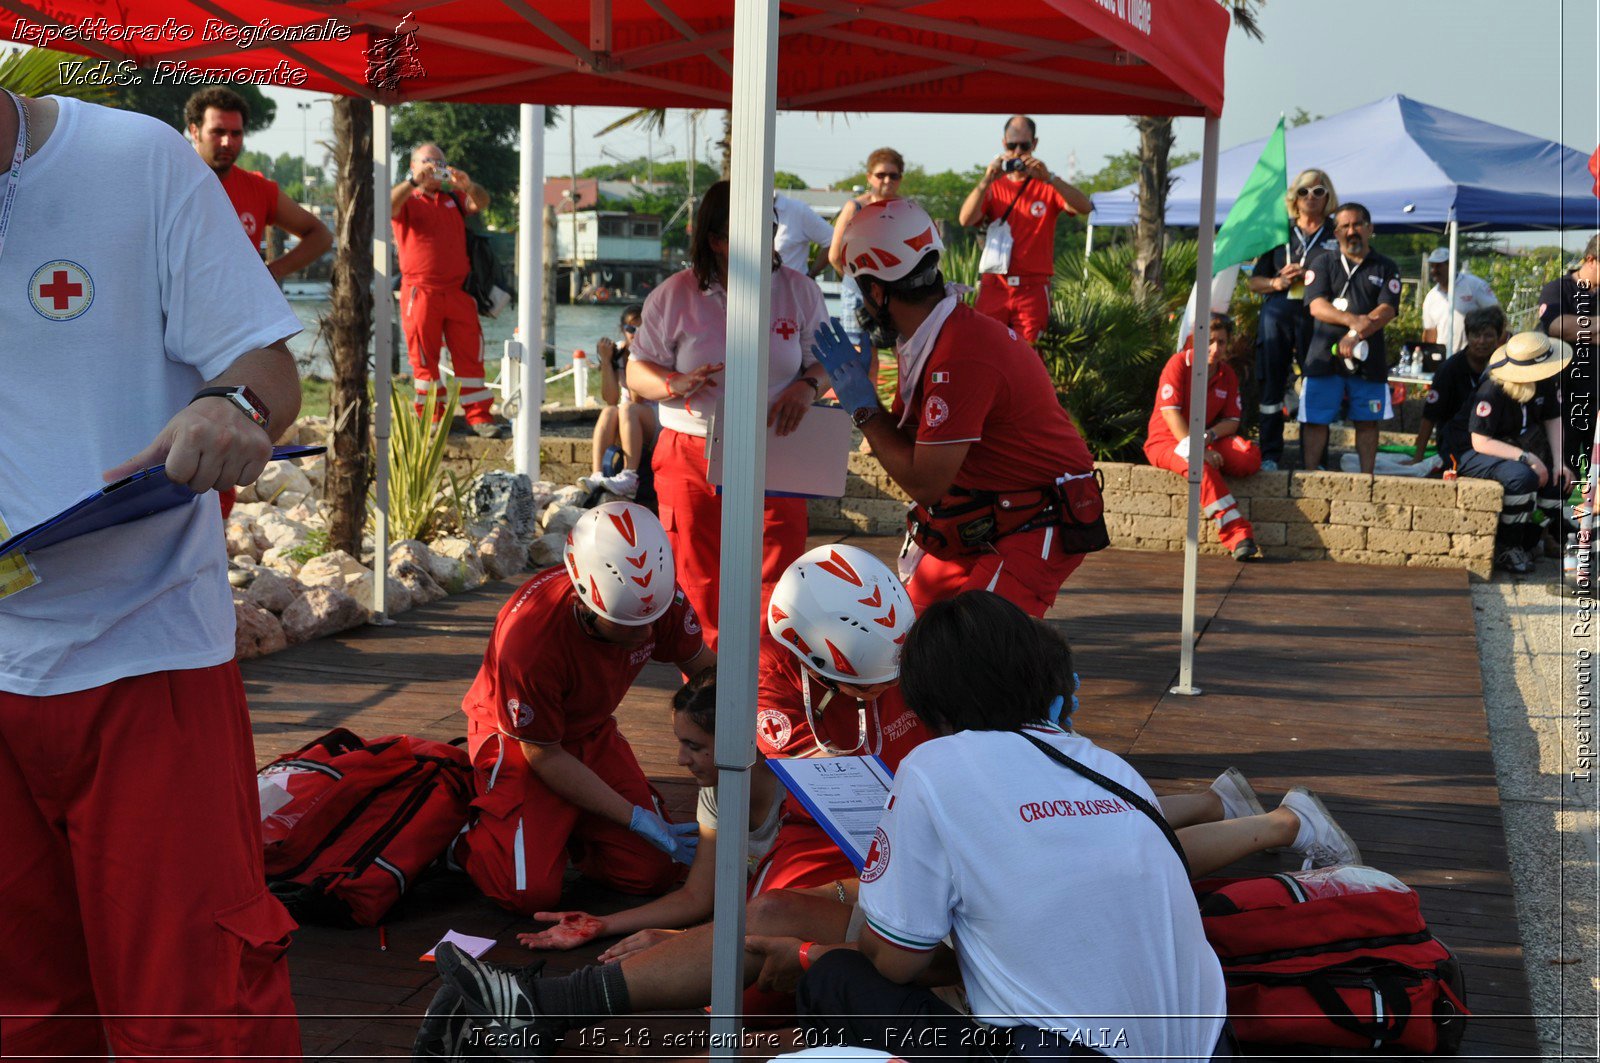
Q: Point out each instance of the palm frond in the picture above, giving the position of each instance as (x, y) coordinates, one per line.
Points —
(37, 72)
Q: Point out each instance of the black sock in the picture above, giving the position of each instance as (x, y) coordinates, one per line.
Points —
(584, 994)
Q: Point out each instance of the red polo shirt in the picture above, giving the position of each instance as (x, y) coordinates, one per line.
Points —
(1032, 221)
(254, 199)
(431, 237)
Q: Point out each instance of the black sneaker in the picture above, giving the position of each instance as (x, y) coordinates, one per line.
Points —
(1515, 560)
(447, 1031)
(1247, 550)
(497, 998)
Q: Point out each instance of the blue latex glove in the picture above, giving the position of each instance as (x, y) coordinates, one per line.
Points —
(848, 368)
(677, 840)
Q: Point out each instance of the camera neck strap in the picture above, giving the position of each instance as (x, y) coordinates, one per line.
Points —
(1026, 181)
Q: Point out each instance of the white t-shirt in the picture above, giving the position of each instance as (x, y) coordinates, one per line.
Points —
(798, 228)
(1068, 907)
(683, 328)
(1472, 293)
(761, 838)
(125, 283)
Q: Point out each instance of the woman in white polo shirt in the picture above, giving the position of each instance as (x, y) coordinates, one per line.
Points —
(678, 356)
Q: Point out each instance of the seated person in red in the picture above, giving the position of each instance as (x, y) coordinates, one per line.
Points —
(1227, 454)
(554, 775)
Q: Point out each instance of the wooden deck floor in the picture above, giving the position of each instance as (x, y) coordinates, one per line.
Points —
(1362, 683)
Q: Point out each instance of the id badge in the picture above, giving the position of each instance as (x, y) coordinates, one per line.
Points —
(16, 573)
(1297, 292)
(1341, 304)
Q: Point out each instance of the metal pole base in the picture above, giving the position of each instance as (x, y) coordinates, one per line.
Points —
(381, 620)
(1186, 691)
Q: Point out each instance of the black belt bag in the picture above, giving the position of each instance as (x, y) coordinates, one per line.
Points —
(971, 522)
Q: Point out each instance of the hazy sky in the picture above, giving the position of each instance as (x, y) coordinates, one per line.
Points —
(1527, 64)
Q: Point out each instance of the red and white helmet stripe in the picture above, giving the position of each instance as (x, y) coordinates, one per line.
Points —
(618, 559)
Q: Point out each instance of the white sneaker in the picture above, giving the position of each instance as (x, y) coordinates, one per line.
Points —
(1321, 841)
(1238, 796)
(624, 484)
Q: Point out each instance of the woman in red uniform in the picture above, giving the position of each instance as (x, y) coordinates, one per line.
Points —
(678, 355)
(1226, 452)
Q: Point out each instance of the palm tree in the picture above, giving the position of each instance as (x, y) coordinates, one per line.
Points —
(1155, 147)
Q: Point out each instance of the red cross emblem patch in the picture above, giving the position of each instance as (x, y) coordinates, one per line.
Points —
(773, 729)
(877, 861)
(785, 327)
(60, 290)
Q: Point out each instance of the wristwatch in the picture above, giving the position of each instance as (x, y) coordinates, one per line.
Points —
(865, 414)
(816, 385)
(1524, 457)
(243, 399)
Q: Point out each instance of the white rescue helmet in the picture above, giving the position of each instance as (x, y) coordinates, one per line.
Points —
(620, 562)
(889, 240)
(844, 613)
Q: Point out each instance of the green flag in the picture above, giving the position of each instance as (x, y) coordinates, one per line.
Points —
(1257, 222)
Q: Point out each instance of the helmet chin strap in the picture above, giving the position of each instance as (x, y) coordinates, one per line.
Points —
(827, 748)
(877, 324)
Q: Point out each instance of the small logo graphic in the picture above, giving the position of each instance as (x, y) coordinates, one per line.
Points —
(1432, 396)
(1311, 275)
(449, 204)
(773, 728)
(521, 715)
(1375, 405)
(1394, 286)
(1374, 280)
(1036, 208)
(691, 621)
(61, 290)
(937, 412)
(877, 861)
(1542, 308)
(252, 227)
(941, 378)
(785, 327)
(1167, 391)
(1220, 393)
(1483, 409)
(393, 59)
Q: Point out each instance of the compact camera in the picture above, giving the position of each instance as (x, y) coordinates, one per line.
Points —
(1012, 165)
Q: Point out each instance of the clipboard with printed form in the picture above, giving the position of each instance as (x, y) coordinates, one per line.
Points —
(809, 462)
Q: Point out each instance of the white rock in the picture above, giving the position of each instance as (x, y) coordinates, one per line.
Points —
(544, 492)
(245, 496)
(546, 550)
(559, 518)
(308, 431)
(455, 565)
(256, 631)
(252, 510)
(321, 611)
(413, 550)
(331, 569)
(316, 469)
(570, 495)
(240, 578)
(240, 534)
(422, 587)
(503, 556)
(398, 595)
(274, 591)
(308, 512)
(279, 531)
(278, 478)
(275, 560)
(502, 497)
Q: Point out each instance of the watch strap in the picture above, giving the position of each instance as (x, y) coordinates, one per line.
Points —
(864, 414)
(243, 399)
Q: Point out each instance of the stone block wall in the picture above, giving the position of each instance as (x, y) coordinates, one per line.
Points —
(1313, 516)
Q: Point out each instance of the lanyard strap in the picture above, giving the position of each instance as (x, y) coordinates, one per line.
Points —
(16, 169)
(1349, 274)
(1307, 241)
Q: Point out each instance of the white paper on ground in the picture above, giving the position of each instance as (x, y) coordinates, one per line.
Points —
(472, 946)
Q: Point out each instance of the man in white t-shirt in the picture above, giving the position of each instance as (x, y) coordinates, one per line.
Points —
(799, 227)
(133, 907)
(1472, 293)
(1070, 913)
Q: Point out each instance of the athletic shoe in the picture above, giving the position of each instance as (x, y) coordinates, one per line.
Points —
(1268, 465)
(1238, 796)
(1515, 560)
(1321, 841)
(499, 994)
(1247, 550)
(491, 430)
(447, 1030)
(624, 484)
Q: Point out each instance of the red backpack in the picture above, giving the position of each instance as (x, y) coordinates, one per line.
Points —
(1339, 957)
(348, 825)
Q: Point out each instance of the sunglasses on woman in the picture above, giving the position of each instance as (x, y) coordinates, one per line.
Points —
(1314, 190)
(886, 175)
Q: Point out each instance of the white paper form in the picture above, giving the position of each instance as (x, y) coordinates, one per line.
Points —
(845, 795)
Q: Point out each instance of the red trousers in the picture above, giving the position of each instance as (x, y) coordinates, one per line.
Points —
(691, 511)
(132, 897)
(517, 845)
(802, 856)
(1240, 457)
(428, 315)
(1024, 306)
(1027, 569)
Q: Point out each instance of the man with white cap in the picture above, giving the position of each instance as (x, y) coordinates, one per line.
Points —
(555, 776)
(1472, 293)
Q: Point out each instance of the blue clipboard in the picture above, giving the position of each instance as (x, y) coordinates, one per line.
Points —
(823, 820)
(135, 497)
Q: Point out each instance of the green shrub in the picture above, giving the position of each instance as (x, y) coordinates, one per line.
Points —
(315, 545)
(416, 462)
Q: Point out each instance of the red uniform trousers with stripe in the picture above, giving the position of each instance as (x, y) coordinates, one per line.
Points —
(428, 315)
(691, 512)
(1027, 569)
(1240, 457)
(132, 895)
(1024, 306)
(522, 832)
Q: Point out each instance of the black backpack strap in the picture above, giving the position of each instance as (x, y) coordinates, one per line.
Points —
(1385, 986)
(1120, 790)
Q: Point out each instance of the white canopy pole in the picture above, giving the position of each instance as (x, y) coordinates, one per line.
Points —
(1451, 228)
(1197, 399)
(382, 354)
(530, 292)
(744, 415)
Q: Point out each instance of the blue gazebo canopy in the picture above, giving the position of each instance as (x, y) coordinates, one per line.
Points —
(1409, 163)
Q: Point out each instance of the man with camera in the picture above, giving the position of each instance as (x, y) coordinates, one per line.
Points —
(429, 208)
(1018, 190)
